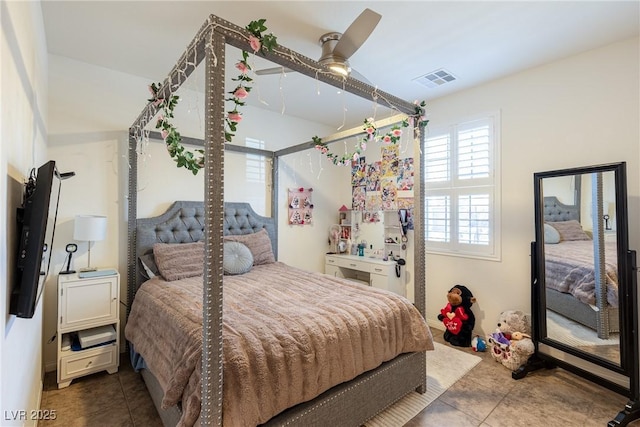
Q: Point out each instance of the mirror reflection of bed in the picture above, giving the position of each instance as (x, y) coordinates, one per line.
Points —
(400, 373)
(580, 313)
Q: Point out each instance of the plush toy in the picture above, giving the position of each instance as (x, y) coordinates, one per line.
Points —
(511, 343)
(478, 343)
(457, 316)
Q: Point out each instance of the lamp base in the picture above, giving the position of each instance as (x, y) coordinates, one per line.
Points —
(67, 272)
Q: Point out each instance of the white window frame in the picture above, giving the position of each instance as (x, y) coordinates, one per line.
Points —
(454, 188)
(255, 171)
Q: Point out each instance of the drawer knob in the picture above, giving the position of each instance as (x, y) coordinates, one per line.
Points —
(89, 364)
(352, 265)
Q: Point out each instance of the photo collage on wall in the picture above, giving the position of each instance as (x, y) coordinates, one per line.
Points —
(300, 206)
(383, 185)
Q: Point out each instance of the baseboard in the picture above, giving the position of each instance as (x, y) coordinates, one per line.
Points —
(51, 366)
(435, 324)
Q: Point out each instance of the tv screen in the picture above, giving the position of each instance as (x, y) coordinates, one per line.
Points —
(36, 227)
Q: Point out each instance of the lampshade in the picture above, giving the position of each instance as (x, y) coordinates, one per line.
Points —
(90, 228)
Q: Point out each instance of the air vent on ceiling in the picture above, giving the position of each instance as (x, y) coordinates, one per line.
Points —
(435, 78)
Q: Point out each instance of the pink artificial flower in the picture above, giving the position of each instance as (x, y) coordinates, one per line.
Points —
(153, 92)
(242, 67)
(363, 145)
(397, 132)
(158, 101)
(164, 133)
(370, 130)
(325, 150)
(355, 157)
(234, 116)
(386, 139)
(160, 120)
(254, 42)
(240, 93)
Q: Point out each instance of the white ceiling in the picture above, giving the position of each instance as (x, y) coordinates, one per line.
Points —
(476, 41)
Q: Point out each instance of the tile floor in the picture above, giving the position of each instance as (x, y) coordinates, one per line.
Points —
(485, 397)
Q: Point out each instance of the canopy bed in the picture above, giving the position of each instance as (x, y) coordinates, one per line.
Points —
(350, 401)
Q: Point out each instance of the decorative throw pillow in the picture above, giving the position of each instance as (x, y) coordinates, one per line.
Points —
(179, 260)
(551, 235)
(237, 258)
(149, 268)
(570, 230)
(258, 243)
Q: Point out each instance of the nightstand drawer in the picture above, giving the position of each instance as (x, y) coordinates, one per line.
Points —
(87, 361)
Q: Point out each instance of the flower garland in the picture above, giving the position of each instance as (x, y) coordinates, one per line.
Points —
(257, 42)
(371, 134)
(173, 140)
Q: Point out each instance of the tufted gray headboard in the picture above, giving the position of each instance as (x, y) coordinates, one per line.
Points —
(183, 222)
(555, 210)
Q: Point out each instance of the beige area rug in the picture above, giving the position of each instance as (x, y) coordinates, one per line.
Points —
(569, 332)
(440, 377)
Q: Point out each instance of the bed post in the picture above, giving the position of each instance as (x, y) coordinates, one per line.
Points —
(132, 214)
(420, 282)
(211, 413)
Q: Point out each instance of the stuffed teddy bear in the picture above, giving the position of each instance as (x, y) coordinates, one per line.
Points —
(511, 343)
(457, 316)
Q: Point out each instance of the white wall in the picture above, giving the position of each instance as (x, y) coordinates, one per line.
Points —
(579, 111)
(23, 133)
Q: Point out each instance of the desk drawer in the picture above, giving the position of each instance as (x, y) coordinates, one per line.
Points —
(348, 263)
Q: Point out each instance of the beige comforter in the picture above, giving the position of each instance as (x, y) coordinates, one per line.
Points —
(288, 336)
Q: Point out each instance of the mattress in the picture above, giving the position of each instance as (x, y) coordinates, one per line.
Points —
(288, 336)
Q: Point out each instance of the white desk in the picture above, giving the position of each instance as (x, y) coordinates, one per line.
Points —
(376, 272)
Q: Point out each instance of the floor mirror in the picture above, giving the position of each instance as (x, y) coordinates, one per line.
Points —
(584, 297)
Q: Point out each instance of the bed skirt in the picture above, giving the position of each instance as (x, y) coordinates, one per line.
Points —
(348, 404)
(568, 306)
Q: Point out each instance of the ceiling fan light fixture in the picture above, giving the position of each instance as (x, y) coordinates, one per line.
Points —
(340, 69)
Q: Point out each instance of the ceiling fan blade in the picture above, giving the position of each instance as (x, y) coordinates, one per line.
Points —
(275, 70)
(357, 33)
(356, 75)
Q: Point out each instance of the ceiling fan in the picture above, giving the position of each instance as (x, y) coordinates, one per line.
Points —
(337, 48)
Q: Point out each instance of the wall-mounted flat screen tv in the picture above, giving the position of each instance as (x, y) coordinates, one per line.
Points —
(36, 228)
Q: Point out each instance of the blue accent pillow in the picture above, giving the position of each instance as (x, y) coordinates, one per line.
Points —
(237, 258)
(551, 235)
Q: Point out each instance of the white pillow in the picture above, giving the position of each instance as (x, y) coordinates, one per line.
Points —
(237, 258)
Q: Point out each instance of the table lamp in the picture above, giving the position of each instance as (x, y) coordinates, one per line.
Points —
(89, 228)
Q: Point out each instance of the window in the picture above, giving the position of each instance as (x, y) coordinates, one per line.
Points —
(461, 177)
(255, 162)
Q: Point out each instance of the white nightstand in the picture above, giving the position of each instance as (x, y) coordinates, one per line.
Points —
(85, 303)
